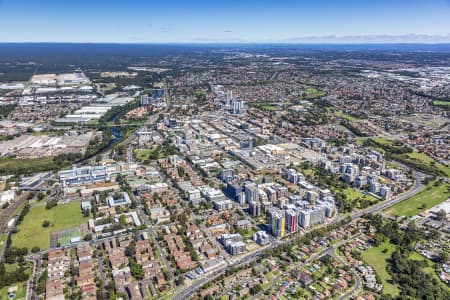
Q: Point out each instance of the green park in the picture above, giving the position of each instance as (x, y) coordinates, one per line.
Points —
(32, 232)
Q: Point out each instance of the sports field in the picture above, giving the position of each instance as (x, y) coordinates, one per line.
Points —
(32, 233)
(65, 237)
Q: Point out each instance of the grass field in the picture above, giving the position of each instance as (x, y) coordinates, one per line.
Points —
(21, 166)
(428, 160)
(146, 154)
(429, 197)
(21, 286)
(31, 233)
(2, 239)
(267, 106)
(378, 260)
(441, 103)
(382, 141)
(343, 115)
(21, 291)
(312, 93)
(354, 196)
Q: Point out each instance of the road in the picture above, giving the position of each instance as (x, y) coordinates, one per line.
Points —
(30, 289)
(7, 214)
(213, 241)
(418, 186)
(34, 279)
(153, 118)
(330, 251)
(187, 292)
(101, 272)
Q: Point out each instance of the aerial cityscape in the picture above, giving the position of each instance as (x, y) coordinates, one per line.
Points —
(298, 163)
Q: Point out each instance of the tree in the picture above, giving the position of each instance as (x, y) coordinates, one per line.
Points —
(35, 249)
(441, 215)
(167, 275)
(136, 269)
(180, 279)
(256, 289)
(123, 220)
(46, 223)
(52, 203)
(130, 250)
(88, 237)
(40, 196)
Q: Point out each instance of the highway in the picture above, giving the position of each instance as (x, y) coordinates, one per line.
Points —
(418, 186)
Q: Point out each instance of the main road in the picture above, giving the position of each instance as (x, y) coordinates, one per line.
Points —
(418, 186)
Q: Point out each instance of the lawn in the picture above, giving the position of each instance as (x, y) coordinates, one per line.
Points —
(312, 93)
(21, 286)
(428, 160)
(147, 154)
(269, 107)
(22, 166)
(427, 198)
(353, 194)
(382, 141)
(378, 260)
(346, 116)
(31, 233)
(2, 240)
(21, 291)
(441, 103)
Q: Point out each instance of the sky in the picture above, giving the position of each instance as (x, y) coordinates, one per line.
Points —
(248, 21)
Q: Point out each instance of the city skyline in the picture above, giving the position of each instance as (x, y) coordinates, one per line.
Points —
(175, 21)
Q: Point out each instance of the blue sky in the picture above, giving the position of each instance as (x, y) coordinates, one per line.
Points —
(147, 21)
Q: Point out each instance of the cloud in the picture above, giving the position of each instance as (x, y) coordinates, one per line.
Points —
(219, 40)
(354, 39)
(228, 31)
(166, 29)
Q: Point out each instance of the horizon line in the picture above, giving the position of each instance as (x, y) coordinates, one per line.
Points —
(229, 43)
